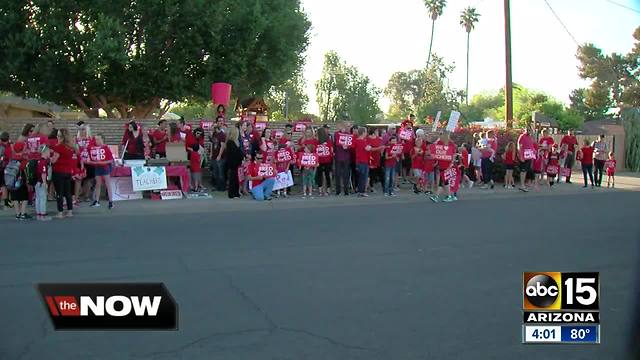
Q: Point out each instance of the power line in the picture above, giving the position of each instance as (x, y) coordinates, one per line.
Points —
(623, 6)
(562, 23)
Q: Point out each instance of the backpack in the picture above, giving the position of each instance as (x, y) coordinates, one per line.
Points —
(30, 171)
(12, 178)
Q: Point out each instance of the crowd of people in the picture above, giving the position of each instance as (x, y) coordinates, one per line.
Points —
(45, 163)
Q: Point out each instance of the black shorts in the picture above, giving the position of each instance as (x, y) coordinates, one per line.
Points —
(509, 167)
(21, 194)
(1, 176)
(162, 155)
(525, 166)
(91, 172)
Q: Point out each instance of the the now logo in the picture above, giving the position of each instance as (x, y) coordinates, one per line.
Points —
(99, 306)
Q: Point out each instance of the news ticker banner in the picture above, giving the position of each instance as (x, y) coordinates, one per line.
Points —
(109, 306)
(561, 308)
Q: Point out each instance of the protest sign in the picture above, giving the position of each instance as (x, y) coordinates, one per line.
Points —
(299, 127)
(309, 160)
(453, 121)
(442, 152)
(149, 178)
(284, 155)
(266, 170)
(121, 189)
(283, 180)
(344, 139)
(529, 154)
(436, 121)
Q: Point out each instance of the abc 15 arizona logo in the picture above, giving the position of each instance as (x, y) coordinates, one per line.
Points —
(568, 297)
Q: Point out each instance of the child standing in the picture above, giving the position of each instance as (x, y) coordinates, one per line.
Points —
(611, 170)
(553, 164)
(195, 163)
(429, 172)
(391, 156)
(538, 168)
(41, 187)
(308, 172)
(509, 163)
(101, 158)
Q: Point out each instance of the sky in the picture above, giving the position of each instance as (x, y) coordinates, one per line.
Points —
(381, 37)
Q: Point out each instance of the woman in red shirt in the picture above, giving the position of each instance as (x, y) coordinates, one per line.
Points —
(325, 158)
(133, 142)
(63, 165)
(510, 155)
(585, 156)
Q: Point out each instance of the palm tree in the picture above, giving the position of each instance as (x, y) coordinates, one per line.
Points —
(435, 8)
(468, 20)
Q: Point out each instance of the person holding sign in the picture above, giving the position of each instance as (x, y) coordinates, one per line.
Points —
(325, 157)
(553, 164)
(375, 159)
(262, 178)
(443, 151)
(344, 143)
(362, 150)
(526, 155)
(417, 165)
(308, 163)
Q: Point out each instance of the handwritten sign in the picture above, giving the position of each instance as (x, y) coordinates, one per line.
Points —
(442, 152)
(405, 133)
(283, 180)
(299, 127)
(344, 139)
(149, 178)
(171, 194)
(397, 149)
(309, 159)
(565, 171)
(529, 154)
(121, 189)
(206, 125)
(453, 121)
(266, 170)
(552, 169)
(437, 121)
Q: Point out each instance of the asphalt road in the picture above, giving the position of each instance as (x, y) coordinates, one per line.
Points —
(410, 280)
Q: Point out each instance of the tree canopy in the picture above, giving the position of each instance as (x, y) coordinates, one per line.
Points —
(343, 92)
(127, 56)
(291, 95)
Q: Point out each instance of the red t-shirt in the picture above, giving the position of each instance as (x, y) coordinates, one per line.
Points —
(509, 158)
(546, 142)
(66, 163)
(611, 166)
(19, 151)
(253, 171)
(587, 155)
(537, 164)
(42, 168)
(195, 162)
(417, 157)
(571, 142)
(407, 145)
(362, 155)
(83, 147)
(429, 165)
(390, 159)
(465, 156)
(160, 138)
(451, 150)
(100, 153)
(374, 156)
(33, 145)
(325, 152)
(526, 143)
(493, 143)
(554, 158)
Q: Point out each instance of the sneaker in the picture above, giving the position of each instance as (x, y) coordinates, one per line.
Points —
(386, 195)
(492, 184)
(393, 195)
(44, 218)
(285, 195)
(454, 198)
(25, 217)
(8, 203)
(434, 198)
(95, 204)
(19, 217)
(110, 205)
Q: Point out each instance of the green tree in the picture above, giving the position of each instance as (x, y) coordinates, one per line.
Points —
(468, 20)
(194, 109)
(615, 78)
(127, 57)
(592, 103)
(406, 91)
(343, 91)
(435, 8)
(291, 96)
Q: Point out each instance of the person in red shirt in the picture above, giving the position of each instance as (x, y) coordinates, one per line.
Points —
(20, 196)
(133, 142)
(375, 159)
(392, 153)
(195, 166)
(611, 170)
(443, 163)
(585, 156)
(101, 158)
(428, 172)
(268, 145)
(572, 142)
(362, 152)
(185, 129)
(509, 159)
(84, 141)
(417, 165)
(526, 154)
(41, 187)
(262, 178)
(537, 165)
(160, 138)
(325, 158)
(64, 163)
(553, 164)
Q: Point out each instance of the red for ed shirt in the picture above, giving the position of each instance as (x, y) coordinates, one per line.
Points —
(325, 152)
(390, 157)
(362, 155)
(99, 154)
(374, 156)
(33, 145)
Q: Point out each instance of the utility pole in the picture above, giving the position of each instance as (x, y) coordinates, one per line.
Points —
(286, 105)
(508, 88)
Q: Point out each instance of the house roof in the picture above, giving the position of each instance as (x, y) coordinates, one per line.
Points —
(30, 104)
(605, 126)
(544, 120)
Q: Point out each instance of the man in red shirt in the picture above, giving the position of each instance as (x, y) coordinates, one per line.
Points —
(571, 141)
(35, 139)
(160, 138)
(261, 182)
(362, 151)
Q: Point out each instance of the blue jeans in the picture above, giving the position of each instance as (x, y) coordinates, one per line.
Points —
(363, 177)
(217, 174)
(389, 177)
(264, 190)
(587, 170)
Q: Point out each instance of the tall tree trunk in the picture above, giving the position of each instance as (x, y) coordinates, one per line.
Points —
(433, 27)
(467, 87)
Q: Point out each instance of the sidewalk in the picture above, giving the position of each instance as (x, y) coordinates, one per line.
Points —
(221, 203)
